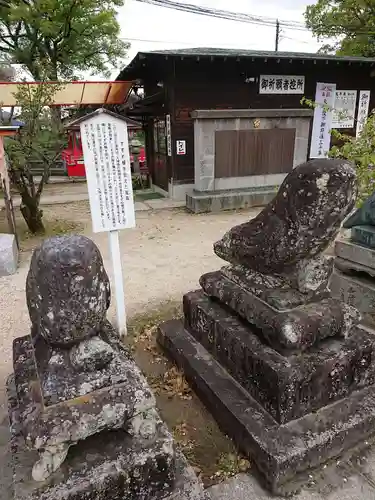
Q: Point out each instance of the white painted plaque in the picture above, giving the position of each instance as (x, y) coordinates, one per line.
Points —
(181, 147)
(344, 112)
(107, 162)
(363, 107)
(168, 134)
(4, 176)
(281, 84)
(322, 124)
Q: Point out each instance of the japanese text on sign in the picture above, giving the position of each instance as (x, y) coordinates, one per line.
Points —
(181, 147)
(322, 124)
(281, 84)
(106, 154)
(363, 107)
(168, 133)
(343, 114)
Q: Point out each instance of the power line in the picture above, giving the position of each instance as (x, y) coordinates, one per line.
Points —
(194, 43)
(251, 19)
(294, 39)
(221, 14)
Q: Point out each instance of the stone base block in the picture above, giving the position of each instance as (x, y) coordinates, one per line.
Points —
(356, 290)
(364, 235)
(217, 201)
(110, 465)
(355, 257)
(8, 254)
(295, 329)
(287, 387)
(280, 452)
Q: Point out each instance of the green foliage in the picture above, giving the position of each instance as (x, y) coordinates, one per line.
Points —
(59, 39)
(42, 138)
(39, 142)
(140, 136)
(360, 150)
(352, 22)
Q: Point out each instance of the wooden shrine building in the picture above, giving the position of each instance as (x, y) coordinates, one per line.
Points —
(225, 126)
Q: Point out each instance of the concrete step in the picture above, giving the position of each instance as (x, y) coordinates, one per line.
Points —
(217, 201)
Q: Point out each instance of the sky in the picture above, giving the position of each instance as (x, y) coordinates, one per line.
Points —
(148, 27)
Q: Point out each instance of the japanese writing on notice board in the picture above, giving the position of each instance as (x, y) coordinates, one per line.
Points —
(281, 84)
(343, 114)
(322, 124)
(168, 134)
(363, 107)
(107, 162)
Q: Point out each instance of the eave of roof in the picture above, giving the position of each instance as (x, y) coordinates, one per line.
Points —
(102, 111)
(243, 54)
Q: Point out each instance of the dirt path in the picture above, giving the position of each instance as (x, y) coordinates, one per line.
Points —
(162, 258)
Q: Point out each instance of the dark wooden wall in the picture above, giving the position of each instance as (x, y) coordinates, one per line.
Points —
(220, 84)
(253, 152)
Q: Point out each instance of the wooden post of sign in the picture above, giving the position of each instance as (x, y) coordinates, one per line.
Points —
(114, 245)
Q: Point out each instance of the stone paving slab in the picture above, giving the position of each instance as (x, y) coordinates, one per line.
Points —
(246, 487)
(160, 204)
(163, 203)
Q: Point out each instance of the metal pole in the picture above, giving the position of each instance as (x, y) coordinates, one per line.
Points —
(114, 245)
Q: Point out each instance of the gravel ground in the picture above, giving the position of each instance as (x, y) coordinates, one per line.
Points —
(162, 258)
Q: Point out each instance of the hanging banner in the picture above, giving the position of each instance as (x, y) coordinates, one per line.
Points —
(168, 133)
(322, 124)
(363, 107)
(4, 177)
(344, 112)
(281, 84)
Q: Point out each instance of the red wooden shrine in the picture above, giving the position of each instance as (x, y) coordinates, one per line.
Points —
(72, 155)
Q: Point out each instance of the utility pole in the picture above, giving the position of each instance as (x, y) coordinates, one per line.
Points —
(277, 38)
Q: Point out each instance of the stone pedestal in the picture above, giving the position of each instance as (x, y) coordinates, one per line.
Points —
(286, 369)
(83, 418)
(8, 254)
(353, 280)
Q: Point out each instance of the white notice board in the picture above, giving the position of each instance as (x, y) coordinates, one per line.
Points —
(281, 84)
(107, 162)
(322, 123)
(363, 108)
(181, 147)
(343, 114)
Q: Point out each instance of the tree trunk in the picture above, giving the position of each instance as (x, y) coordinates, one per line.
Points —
(32, 214)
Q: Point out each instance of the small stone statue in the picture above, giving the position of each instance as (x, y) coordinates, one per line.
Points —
(81, 378)
(278, 257)
(363, 216)
(362, 224)
(67, 290)
(299, 224)
(75, 385)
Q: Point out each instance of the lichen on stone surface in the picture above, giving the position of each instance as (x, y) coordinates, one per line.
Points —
(301, 221)
(76, 380)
